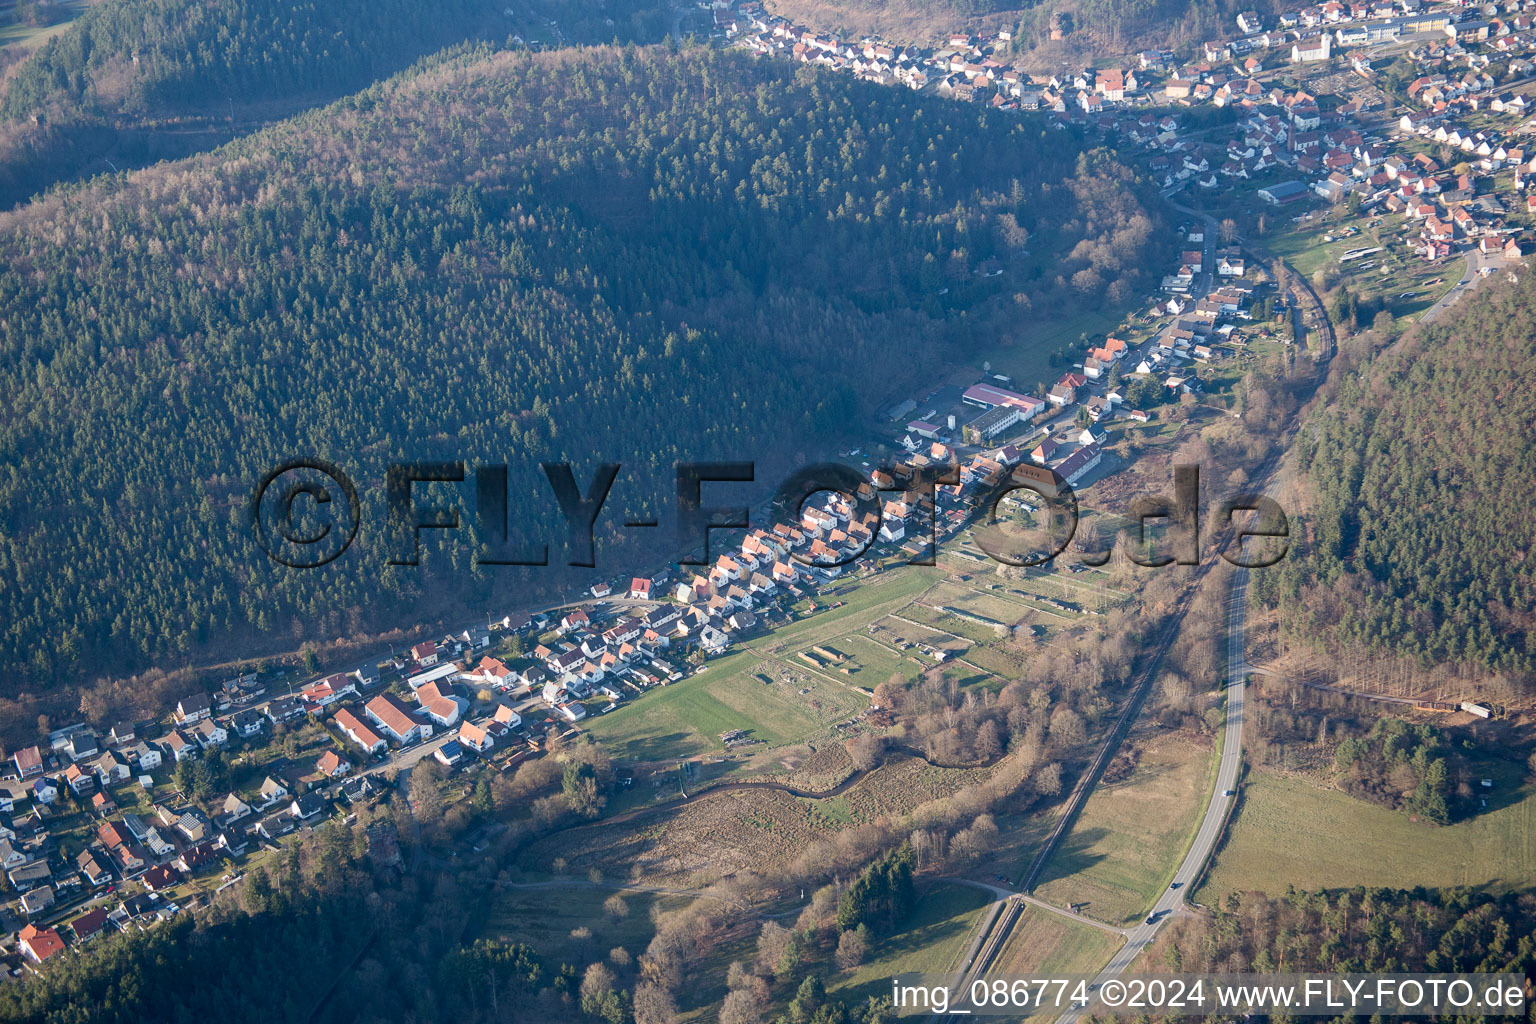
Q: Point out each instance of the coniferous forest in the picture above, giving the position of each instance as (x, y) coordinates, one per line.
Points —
(502, 257)
(1418, 532)
(130, 81)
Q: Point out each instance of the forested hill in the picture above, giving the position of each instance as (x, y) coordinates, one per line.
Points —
(1419, 476)
(1043, 34)
(182, 67)
(603, 255)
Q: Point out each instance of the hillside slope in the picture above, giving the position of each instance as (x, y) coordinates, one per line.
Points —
(624, 256)
(132, 81)
(1420, 534)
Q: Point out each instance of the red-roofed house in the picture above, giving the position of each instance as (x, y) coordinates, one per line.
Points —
(38, 944)
(332, 765)
(356, 730)
(394, 719)
(330, 689)
(493, 671)
(29, 762)
(88, 924)
(441, 707)
(475, 738)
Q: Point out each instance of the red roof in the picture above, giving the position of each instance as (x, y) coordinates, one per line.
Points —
(394, 715)
(494, 667)
(357, 728)
(89, 923)
(41, 942)
(423, 650)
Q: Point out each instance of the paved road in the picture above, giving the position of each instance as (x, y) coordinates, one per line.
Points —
(1172, 900)
(1470, 280)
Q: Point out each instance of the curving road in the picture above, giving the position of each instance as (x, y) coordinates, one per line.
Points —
(1171, 900)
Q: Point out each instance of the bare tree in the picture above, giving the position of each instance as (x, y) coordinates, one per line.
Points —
(1047, 781)
(654, 1004)
(740, 1007)
(615, 907)
(852, 948)
(865, 750)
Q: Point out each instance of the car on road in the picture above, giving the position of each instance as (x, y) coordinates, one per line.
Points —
(1230, 792)
(1151, 919)
(1175, 885)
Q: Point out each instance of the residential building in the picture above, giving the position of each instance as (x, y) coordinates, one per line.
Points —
(394, 719)
(38, 944)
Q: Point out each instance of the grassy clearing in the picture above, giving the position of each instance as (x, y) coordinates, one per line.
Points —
(1028, 361)
(30, 37)
(972, 633)
(1290, 831)
(1044, 945)
(686, 718)
(931, 942)
(1130, 836)
(545, 919)
(877, 662)
(861, 605)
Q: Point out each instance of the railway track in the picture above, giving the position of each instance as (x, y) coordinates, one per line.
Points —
(1001, 926)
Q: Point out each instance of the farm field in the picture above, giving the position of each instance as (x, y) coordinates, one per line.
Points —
(1124, 846)
(686, 718)
(931, 941)
(1290, 831)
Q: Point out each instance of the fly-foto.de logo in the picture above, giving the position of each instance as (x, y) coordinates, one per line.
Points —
(306, 513)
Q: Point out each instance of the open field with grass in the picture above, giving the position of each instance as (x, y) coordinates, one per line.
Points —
(1124, 846)
(1028, 362)
(1293, 831)
(969, 632)
(1044, 944)
(931, 941)
(878, 661)
(30, 37)
(545, 918)
(686, 718)
(861, 604)
(998, 605)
